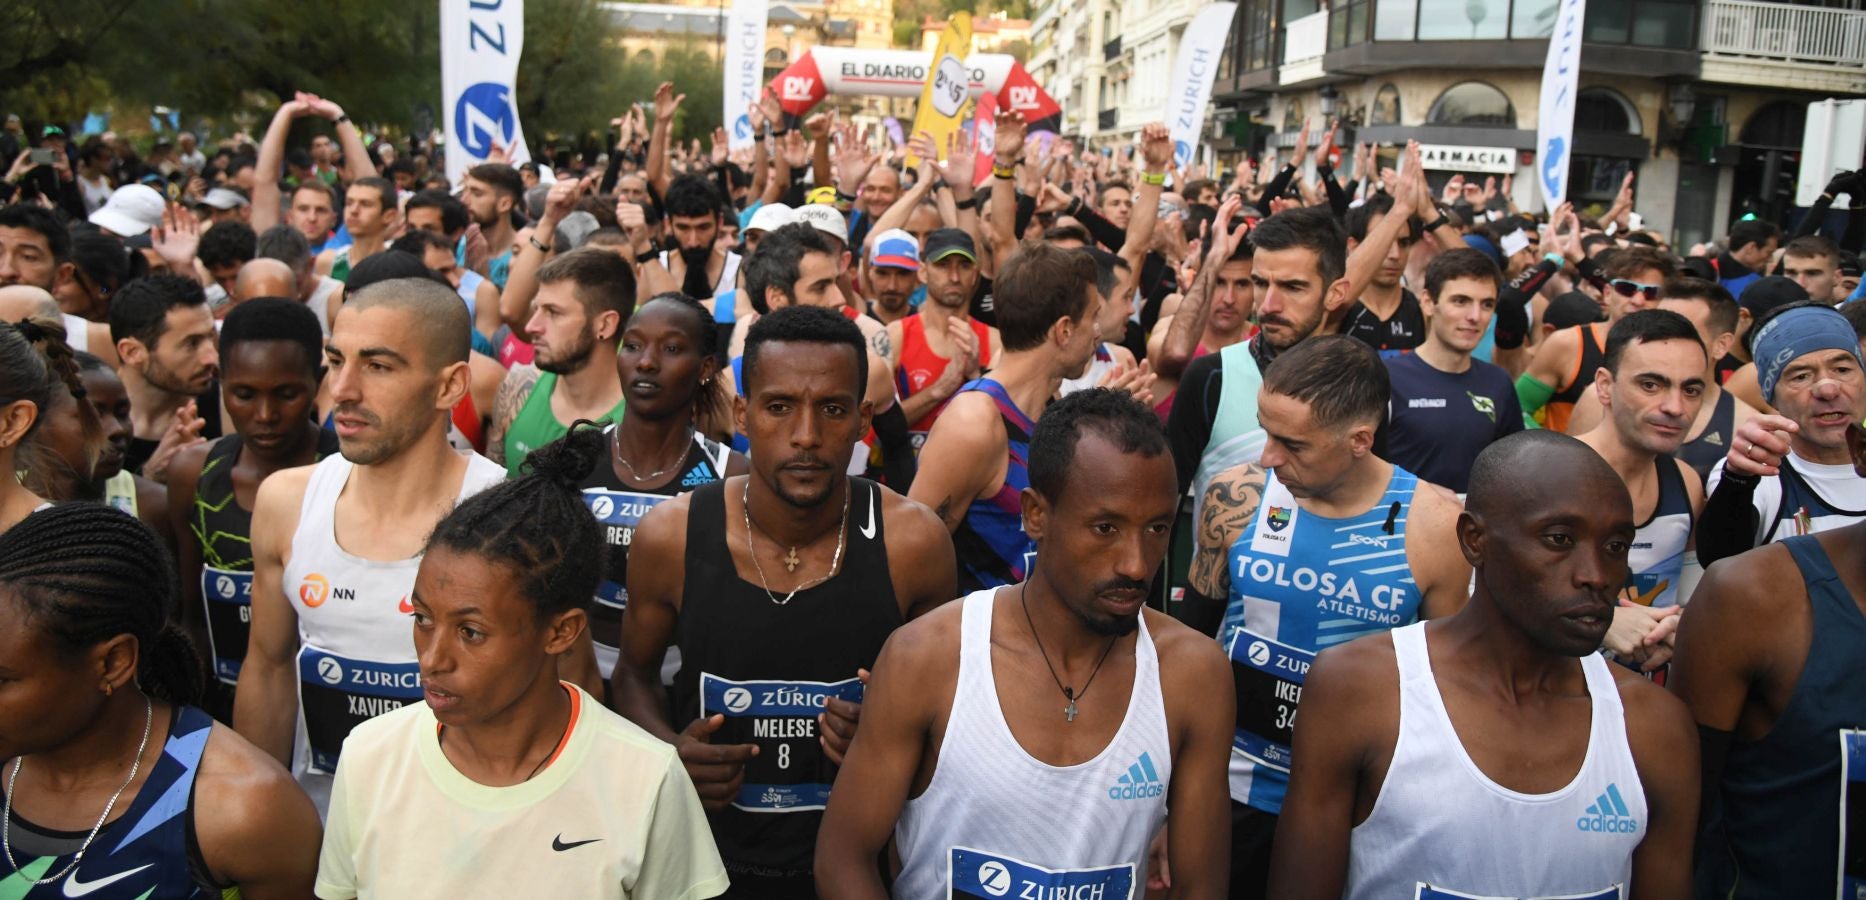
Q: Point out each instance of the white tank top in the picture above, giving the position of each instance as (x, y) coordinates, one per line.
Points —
(1576, 842)
(997, 822)
(320, 300)
(77, 333)
(356, 656)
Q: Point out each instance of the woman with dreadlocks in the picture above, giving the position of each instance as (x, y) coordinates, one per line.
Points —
(556, 795)
(112, 781)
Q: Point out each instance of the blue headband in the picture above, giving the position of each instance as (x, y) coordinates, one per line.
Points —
(1797, 333)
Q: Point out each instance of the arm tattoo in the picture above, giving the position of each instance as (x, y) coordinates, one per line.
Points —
(505, 406)
(1229, 506)
(882, 344)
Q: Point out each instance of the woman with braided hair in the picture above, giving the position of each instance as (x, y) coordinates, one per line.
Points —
(29, 383)
(112, 782)
(555, 795)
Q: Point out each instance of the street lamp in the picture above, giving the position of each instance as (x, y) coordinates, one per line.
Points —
(1331, 98)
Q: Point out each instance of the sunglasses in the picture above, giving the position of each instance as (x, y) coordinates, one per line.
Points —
(1627, 288)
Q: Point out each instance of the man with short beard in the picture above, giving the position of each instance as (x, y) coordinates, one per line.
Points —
(583, 299)
(938, 349)
(490, 191)
(694, 260)
(369, 213)
(890, 272)
(165, 337)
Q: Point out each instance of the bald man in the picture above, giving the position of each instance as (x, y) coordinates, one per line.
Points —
(1581, 782)
(261, 278)
(351, 529)
(17, 301)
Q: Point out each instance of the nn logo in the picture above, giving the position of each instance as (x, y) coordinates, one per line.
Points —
(1140, 783)
(314, 590)
(1608, 815)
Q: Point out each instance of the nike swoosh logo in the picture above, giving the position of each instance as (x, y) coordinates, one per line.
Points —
(868, 531)
(557, 843)
(76, 888)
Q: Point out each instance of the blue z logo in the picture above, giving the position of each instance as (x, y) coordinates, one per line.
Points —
(484, 115)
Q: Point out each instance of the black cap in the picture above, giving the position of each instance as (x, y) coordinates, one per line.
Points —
(1571, 309)
(1698, 267)
(944, 242)
(1765, 295)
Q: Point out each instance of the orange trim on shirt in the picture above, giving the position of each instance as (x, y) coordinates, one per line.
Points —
(576, 709)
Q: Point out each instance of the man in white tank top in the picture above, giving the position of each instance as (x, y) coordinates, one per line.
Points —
(1472, 756)
(1029, 740)
(336, 545)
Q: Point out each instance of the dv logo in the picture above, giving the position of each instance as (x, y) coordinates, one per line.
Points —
(1182, 153)
(994, 878)
(330, 670)
(738, 700)
(742, 127)
(798, 88)
(484, 115)
(1555, 164)
(1024, 97)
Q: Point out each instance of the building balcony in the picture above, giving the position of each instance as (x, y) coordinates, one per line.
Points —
(1111, 50)
(1784, 45)
(1107, 119)
(1305, 42)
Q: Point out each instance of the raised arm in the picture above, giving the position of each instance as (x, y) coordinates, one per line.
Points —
(1188, 324)
(356, 162)
(1364, 262)
(666, 103)
(1007, 149)
(897, 213)
(267, 170)
(521, 282)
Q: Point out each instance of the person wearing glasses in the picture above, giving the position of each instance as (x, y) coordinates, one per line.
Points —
(1564, 366)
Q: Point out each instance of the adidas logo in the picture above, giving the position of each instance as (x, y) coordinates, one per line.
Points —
(698, 475)
(1714, 438)
(1608, 815)
(1140, 783)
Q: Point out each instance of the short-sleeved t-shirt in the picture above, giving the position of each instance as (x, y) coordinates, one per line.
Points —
(1440, 421)
(613, 814)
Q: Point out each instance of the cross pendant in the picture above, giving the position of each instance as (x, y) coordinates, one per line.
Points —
(791, 562)
(1070, 711)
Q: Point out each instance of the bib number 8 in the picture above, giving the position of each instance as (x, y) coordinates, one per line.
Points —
(783, 756)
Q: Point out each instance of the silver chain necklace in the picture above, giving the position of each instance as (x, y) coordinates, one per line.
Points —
(616, 451)
(6, 825)
(791, 561)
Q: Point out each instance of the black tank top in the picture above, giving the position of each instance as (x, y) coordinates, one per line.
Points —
(618, 508)
(1399, 334)
(1703, 452)
(768, 668)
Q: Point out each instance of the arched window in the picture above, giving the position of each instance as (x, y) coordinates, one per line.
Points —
(1472, 103)
(1604, 109)
(644, 57)
(775, 56)
(1386, 109)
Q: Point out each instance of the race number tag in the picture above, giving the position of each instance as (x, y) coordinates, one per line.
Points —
(949, 86)
(1434, 892)
(338, 693)
(1852, 813)
(618, 512)
(228, 596)
(975, 873)
(789, 773)
(1268, 676)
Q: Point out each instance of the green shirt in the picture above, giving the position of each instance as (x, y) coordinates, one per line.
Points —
(535, 425)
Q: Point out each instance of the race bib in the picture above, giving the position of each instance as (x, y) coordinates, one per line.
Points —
(618, 512)
(1268, 676)
(228, 596)
(337, 694)
(1852, 813)
(975, 873)
(1434, 892)
(789, 773)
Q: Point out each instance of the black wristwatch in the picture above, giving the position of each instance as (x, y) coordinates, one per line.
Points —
(1440, 222)
(648, 255)
(967, 203)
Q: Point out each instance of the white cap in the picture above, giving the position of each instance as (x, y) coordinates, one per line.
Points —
(827, 219)
(771, 217)
(132, 210)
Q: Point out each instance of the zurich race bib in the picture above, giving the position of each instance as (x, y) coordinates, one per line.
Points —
(618, 512)
(228, 596)
(338, 693)
(1852, 812)
(975, 873)
(789, 773)
(1268, 676)
(1434, 892)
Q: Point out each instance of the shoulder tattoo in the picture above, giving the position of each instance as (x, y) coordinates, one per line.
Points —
(1229, 505)
(882, 344)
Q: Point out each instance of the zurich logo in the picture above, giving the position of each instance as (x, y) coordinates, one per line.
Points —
(601, 507)
(224, 587)
(484, 115)
(738, 700)
(1555, 164)
(1182, 152)
(742, 127)
(330, 670)
(994, 878)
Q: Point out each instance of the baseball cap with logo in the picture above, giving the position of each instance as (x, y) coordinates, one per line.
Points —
(944, 242)
(132, 209)
(895, 248)
(826, 219)
(771, 217)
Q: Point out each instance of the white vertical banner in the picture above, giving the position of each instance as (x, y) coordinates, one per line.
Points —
(1193, 70)
(745, 69)
(480, 44)
(1561, 74)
